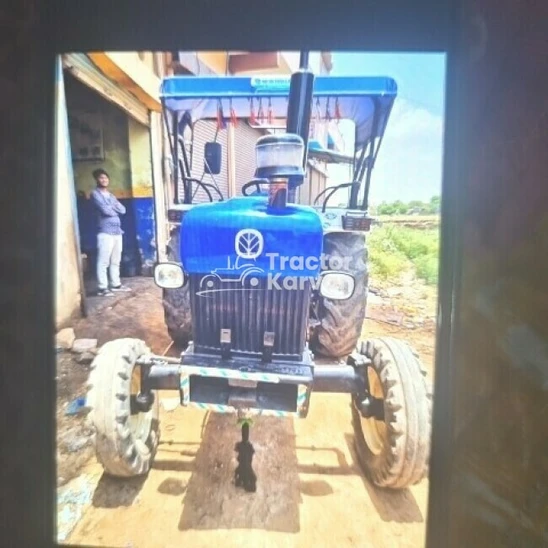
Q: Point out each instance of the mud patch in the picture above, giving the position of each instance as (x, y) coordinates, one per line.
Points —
(73, 499)
(275, 505)
(138, 314)
(74, 447)
(117, 492)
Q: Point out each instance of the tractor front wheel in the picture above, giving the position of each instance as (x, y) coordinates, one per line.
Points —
(339, 323)
(126, 438)
(176, 302)
(394, 452)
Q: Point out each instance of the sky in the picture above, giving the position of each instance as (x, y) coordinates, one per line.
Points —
(409, 164)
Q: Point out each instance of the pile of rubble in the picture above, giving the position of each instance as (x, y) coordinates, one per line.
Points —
(410, 304)
(85, 349)
(74, 448)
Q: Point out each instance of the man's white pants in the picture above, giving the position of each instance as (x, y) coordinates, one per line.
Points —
(109, 256)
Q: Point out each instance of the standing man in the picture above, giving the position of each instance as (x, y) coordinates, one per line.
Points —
(109, 236)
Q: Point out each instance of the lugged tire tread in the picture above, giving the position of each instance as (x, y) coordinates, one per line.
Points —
(408, 415)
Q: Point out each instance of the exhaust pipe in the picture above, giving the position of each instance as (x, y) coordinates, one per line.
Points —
(277, 194)
(299, 111)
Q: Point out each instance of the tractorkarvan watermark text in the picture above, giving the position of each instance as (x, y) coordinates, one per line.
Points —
(248, 245)
(298, 262)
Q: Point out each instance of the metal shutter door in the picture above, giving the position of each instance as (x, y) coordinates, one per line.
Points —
(204, 131)
(304, 190)
(245, 138)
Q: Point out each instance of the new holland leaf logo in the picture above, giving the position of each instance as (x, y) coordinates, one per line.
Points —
(249, 243)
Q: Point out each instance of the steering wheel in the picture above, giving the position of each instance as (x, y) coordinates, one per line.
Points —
(205, 187)
(256, 183)
(332, 190)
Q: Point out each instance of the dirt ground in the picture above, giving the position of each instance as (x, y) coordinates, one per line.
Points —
(310, 489)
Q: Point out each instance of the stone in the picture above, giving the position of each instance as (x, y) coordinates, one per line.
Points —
(78, 444)
(65, 338)
(85, 358)
(80, 346)
(74, 441)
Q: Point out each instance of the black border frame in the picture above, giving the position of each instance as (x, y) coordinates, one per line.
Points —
(58, 26)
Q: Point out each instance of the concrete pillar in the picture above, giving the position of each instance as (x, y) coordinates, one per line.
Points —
(68, 290)
(160, 206)
(142, 202)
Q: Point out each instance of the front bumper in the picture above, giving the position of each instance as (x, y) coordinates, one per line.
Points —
(248, 386)
(245, 385)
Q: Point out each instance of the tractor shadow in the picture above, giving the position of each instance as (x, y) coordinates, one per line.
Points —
(212, 501)
(392, 505)
(321, 488)
(114, 492)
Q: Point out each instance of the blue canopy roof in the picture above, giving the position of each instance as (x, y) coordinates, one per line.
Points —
(316, 150)
(354, 95)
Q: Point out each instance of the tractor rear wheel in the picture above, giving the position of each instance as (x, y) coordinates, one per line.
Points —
(340, 322)
(126, 438)
(176, 302)
(394, 452)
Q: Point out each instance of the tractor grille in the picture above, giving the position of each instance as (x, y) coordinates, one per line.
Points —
(249, 312)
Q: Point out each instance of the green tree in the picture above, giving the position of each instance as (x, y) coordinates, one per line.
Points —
(415, 204)
(434, 205)
(385, 209)
(400, 207)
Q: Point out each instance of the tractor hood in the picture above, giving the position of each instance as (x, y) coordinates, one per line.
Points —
(226, 238)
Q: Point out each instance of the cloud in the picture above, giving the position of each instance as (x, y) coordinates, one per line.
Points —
(409, 164)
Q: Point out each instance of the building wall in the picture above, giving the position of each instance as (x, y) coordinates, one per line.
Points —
(292, 60)
(160, 189)
(147, 58)
(138, 73)
(67, 279)
(127, 160)
(114, 124)
(215, 60)
(142, 196)
(132, 74)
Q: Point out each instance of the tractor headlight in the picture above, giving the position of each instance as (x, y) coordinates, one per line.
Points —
(169, 276)
(338, 286)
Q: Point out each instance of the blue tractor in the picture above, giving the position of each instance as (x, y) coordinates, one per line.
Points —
(265, 297)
